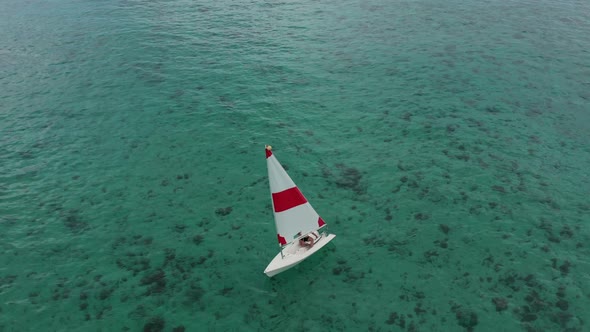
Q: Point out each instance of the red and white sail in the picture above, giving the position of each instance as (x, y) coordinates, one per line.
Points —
(294, 216)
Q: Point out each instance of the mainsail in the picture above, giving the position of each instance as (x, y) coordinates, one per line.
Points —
(294, 216)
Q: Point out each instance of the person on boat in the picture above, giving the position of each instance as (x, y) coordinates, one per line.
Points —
(306, 241)
(309, 239)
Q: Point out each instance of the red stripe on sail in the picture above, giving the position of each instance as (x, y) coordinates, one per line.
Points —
(281, 239)
(287, 199)
(321, 222)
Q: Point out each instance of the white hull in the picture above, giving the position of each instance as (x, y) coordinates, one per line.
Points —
(294, 254)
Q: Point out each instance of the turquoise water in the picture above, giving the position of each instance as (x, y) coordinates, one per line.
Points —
(445, 143)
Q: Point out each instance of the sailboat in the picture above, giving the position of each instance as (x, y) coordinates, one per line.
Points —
(301, 232)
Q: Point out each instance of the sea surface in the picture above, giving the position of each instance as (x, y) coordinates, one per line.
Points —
(445, 143)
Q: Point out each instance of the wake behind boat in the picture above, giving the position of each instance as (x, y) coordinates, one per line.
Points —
(301, 232)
